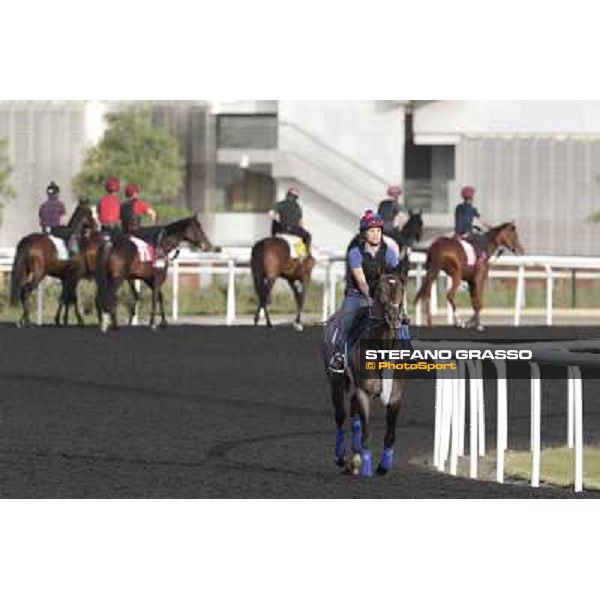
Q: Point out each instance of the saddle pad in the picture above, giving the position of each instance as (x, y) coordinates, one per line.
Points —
(297, 246)
(469, 251)
(146, 252)
(60, 246)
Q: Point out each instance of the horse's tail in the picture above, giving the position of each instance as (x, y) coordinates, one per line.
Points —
(18, 272)
(432, 269)
(258, 269)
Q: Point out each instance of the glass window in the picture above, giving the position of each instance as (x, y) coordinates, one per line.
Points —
(244, 190)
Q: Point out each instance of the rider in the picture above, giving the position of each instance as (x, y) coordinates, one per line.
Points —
(394, 214)
(365, 264)
(464, 216)
(286, 217)
(133, 209)
(52, 211)
(109, 207)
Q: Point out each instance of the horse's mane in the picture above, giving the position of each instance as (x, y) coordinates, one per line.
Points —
(177, 226)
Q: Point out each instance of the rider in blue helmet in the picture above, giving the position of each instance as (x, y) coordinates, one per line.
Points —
(366, 262)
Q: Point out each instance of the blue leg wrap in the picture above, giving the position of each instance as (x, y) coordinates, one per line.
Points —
(404, 336)
(387, 458)
(366, 468)
(340, 448)
(356, 434)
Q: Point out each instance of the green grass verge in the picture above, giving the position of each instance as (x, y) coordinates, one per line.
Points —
(556, 466)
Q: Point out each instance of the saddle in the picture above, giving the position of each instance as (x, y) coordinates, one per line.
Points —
(146, 251)
(60, 246)
(475, 255)
(297, 246)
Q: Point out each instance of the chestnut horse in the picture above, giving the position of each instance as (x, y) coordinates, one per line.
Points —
(120, 261)
(36, 257)
(447, 254)
(271, 259)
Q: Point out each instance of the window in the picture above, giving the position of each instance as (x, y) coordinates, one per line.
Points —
(247, 131)
(244, 190)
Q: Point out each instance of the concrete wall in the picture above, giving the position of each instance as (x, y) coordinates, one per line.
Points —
(46, 142)
(491, 117)
(369, 132)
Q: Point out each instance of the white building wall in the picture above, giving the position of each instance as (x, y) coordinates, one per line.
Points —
(369, 132)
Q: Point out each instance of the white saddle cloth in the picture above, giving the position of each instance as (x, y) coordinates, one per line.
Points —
(60, 246)
(297, 246)
(145, 251)
(469, 251)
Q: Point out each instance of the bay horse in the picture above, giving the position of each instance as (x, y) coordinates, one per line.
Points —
(447, 254)
(36, 257)
(120, 261)
(270, 259)
(349, 390)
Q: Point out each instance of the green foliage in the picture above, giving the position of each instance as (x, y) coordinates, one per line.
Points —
(133, 149)
(7, 191)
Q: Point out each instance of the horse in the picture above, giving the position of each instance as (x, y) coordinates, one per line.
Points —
(120, 260)
(447, 254)
(36, 257)
(270, 259)
(349, 389)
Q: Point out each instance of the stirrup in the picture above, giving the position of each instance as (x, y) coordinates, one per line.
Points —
(337, 364)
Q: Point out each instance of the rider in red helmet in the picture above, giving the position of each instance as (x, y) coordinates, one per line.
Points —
(133, 209)
(464, 215)
(286, 217)
(109, 207)
(365, 264)
(394, 214)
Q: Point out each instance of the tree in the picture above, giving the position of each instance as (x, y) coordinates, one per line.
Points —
(134, 150)
(7, 191)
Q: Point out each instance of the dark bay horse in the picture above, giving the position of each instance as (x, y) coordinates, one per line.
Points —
(447, 254)
(270, 259)
(120, 261)
(349, 390)
(36, 257)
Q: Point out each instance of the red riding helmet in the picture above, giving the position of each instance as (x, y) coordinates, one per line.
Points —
(132, 190)
(369, 220)
(394, 191)
(112, 185)
(467, 192)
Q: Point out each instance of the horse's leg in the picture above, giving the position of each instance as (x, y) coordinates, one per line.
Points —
(136, 301)
(451, 294)
(299, 290)
(391, 417)
(154, 286)
(269, 283)
(161, 303)
(60, 306)
(363, 405)
(337, 396)
(78, 315)
(26, 291)
(476, 292)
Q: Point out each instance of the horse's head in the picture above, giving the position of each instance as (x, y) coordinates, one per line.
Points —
(389, 298)
(83, 217)
(413, 228)
(506, 235)
(194, 235)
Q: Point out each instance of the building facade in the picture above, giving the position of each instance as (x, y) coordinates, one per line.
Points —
(535, 162)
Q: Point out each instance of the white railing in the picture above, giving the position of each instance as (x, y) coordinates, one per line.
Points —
(449, 428)
(330, 270)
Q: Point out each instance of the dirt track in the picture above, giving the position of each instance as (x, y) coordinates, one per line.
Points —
(214, 412)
